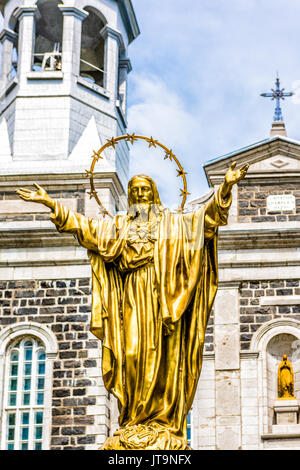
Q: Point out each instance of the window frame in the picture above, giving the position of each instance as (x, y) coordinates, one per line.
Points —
(8, 338)
(19, 345)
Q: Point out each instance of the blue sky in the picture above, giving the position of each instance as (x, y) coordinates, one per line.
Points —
(198, 70)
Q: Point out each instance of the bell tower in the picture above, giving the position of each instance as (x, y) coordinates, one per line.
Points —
(63, 85)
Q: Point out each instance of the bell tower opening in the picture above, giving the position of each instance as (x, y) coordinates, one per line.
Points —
(92, 51)
(14, 26)
(48, 36)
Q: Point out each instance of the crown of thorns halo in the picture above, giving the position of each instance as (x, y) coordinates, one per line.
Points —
(169, 155)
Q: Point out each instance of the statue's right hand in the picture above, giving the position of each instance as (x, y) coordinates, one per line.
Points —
(39, 196)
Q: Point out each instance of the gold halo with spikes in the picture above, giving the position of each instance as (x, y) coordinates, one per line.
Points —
(133, 138)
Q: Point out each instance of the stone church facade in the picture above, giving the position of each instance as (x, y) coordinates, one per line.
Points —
(256, 312)
(62, 94)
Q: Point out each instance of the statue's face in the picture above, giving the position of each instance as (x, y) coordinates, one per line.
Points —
(141, 191)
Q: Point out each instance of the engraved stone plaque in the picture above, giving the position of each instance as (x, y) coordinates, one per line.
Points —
(281, 202)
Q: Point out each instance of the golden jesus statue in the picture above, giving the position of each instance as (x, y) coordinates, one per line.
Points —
(154, 280)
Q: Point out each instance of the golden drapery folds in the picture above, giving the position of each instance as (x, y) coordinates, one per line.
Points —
(153, 286)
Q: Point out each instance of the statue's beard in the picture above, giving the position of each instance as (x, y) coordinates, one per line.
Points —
(141, 210)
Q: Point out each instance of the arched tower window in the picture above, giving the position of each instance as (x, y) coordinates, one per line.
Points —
(48, 36)
(24, 395)
(14, 26)
(92, 48)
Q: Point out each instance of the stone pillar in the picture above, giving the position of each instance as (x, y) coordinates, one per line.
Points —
(25, 16)
(113, 41)
(227, 367)
(71, 44)
(124, 69)
(233, 213)
(8, 39)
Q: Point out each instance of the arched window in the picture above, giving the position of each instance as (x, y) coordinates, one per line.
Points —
(92, 48)
(48, 36)
(27, 351)
(15, 52)
(9, 52)
(24, 395)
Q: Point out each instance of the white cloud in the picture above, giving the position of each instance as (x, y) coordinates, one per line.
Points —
(159, 112)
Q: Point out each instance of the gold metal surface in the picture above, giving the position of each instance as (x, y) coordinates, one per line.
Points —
(154, 280)
(285, 380)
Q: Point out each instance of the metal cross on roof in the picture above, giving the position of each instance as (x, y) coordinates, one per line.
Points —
(277, 94)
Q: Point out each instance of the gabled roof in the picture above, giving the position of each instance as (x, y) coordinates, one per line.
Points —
(267, 157)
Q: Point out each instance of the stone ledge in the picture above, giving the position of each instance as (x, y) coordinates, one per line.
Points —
(93, 87)
(291, 435)
(35, 237)
(259, 238)
(281, 300)
(47, 75)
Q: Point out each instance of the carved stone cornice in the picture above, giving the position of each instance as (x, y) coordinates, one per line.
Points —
(73, 11)
(107, 31)
(8, 34)
(258, 238)
(24, 11)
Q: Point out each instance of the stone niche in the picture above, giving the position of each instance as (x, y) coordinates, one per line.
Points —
(283, 415)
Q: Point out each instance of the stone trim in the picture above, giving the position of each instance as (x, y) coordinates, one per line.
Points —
(73, 11)
(24, 11)
(47, 75)
(107, 31)
(41, 332)
(284, 300)
(269, 436)
(8, 34)
(259, 238)
(92, 86)
(272, 328)
(125, 63)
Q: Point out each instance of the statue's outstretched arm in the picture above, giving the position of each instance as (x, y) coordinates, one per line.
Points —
(216, 211)
(85, 229)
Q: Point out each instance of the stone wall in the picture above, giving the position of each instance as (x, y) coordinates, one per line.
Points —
(64, 306)
(252, 203)
(254, 312)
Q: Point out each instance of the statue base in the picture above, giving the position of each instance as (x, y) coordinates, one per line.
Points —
(145, 437)
(286, 411)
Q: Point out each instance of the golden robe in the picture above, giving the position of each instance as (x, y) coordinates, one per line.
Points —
(153, 286)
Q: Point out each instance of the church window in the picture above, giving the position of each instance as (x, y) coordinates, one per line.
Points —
(24, 395)
(48, 36)
(92, 48)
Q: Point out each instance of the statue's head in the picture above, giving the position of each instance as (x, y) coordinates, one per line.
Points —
(143, 196)
(142, 190)
(284, 357)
